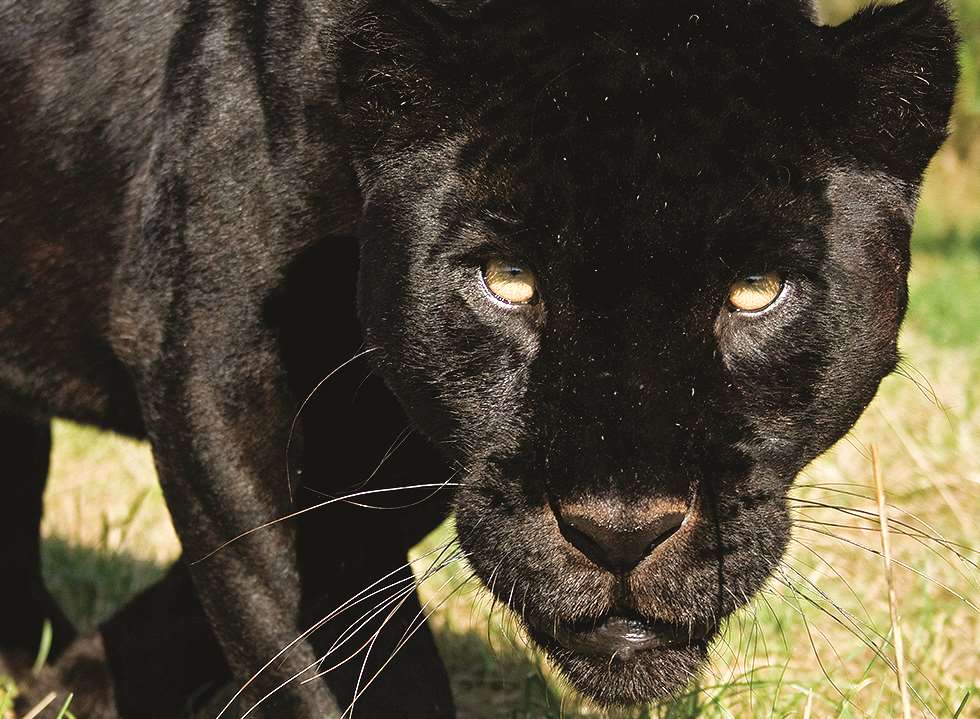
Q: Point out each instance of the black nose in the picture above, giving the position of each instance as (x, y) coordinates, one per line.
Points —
(616, 540)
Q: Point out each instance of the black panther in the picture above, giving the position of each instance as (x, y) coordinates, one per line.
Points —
(623, 269)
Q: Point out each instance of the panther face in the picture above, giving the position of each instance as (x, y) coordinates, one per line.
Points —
(632, 266)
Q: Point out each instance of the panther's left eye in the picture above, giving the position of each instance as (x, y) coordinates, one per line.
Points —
(755, 293)
(510, 282)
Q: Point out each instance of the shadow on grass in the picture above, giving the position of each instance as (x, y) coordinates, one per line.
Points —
(90, 583)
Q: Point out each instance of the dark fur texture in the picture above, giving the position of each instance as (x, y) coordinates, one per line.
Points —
(186, 189)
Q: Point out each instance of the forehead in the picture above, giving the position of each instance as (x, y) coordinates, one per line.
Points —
(653, 120)
(642, 77)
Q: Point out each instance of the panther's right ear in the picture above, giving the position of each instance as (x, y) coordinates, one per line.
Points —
(398, 73)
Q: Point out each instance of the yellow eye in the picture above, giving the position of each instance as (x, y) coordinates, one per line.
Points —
(756, 292)
(509, 282)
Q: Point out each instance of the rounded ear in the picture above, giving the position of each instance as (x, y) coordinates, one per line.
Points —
(395, 73)
(894, 76)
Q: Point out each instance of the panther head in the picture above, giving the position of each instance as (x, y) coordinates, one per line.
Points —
(632, 266)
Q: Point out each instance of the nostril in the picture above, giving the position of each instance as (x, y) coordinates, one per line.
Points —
(616, 546)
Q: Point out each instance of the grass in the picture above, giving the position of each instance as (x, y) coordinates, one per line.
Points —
(818, 641)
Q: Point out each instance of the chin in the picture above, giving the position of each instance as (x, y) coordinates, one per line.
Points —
(650, 676)
(620, 661)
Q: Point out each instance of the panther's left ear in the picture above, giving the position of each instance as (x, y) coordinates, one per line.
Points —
(398, 73)
(893, 73)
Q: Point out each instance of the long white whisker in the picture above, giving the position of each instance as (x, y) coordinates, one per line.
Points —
(299, 412)
(414, 626)
(319, 623)
(367, 654)
(426, 498)
(900, 563)
(399, 596)
(352, 630)
(321, 505)
(392, 449)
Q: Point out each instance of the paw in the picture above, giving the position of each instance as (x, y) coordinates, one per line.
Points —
(83, 672)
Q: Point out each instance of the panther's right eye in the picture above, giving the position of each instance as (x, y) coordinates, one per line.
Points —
(509, 282)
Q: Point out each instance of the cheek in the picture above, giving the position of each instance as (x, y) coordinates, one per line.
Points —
(867, 268)
(485, 394)
(867, 297)
(804, 379)
(774, 362)
(886, 296)
(474, 379)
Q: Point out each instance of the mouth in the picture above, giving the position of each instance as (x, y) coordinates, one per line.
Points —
(622, 659)
(624, 636)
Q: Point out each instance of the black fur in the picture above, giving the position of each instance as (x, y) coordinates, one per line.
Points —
(185, 185)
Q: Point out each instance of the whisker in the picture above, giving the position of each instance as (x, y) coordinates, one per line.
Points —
(366, 617)
(908, 530)
(922, 540)
(437, 565)
(321, 505)
(369, 645)
(414, 626)
(426, 498)
(899, 562)
(905, 369)
(857, 629)
(929, 531)
(782, 633)
(833, 569)
(397, 444)
(316, 625)
(299, 412)
(845, 619)
(813, 644)
(400, 595)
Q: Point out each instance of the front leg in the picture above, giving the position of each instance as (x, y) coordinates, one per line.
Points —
(218, 440)
(217, 420)
(216, 238)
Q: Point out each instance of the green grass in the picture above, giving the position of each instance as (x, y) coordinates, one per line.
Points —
(945, 301)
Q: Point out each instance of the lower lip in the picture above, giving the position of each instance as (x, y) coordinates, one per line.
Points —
(621, 637)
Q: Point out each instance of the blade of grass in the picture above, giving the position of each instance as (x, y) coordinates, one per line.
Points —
(900, 670)
(44, 649)
(64, 713)
(962, 706)
(40, 706)
(6, 698)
